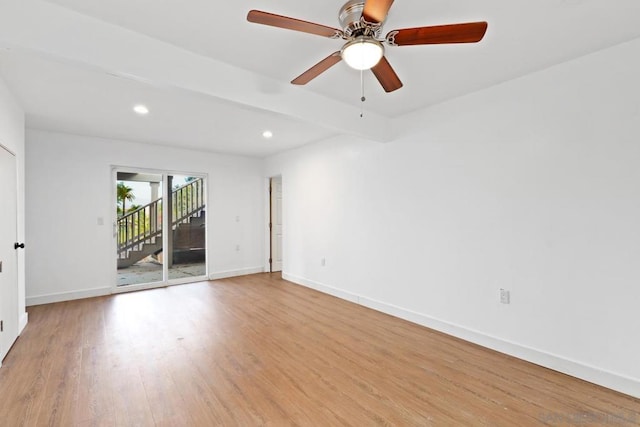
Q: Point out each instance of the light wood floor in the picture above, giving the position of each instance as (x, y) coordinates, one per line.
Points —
(260, 351)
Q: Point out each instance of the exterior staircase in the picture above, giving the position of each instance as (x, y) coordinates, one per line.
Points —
(140, 231)
(142, 251)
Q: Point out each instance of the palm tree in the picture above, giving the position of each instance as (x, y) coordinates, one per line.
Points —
(124, 193)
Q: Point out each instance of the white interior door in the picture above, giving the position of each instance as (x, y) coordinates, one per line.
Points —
(8, 255)
(276, 224)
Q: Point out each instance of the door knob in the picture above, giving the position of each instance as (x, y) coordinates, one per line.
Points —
(18, 245)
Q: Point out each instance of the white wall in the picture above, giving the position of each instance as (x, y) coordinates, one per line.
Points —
(12, 137)
(69, 186)
(532, 186)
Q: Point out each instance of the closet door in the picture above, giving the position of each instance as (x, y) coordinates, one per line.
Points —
(8, 253)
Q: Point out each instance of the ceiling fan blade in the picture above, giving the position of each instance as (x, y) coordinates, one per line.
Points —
(266, 18)
(317, 69)
(375, 11)
(386, 76)
(471, 32)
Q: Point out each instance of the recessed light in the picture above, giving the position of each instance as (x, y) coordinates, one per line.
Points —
(141, 109)
(267, 134)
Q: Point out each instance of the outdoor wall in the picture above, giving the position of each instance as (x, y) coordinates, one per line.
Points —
(69, 187)
(12, 137)
(532, 186)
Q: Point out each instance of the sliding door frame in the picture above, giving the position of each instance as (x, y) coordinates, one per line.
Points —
(115, 288)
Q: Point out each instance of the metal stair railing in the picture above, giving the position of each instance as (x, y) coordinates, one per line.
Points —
(187, 201)
(144, 225)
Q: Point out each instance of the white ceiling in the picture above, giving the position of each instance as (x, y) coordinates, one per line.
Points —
(214, 81)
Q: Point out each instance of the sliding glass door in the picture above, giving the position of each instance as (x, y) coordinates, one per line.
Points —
(160, 228)
(187, 216)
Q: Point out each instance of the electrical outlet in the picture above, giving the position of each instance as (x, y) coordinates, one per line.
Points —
(237, 248)
(323, 262)
(505, 296)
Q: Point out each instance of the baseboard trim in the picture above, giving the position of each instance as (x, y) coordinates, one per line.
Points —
(235, 273)
(322, 288)
(67, 296)
(22, 323)
(98, 292)
(611, 380)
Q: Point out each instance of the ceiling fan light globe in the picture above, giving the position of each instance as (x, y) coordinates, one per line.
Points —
(362, 53)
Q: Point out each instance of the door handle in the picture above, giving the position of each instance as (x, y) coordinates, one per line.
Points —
(18, 245)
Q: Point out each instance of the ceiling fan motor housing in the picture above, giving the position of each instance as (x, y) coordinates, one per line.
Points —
(353, 25)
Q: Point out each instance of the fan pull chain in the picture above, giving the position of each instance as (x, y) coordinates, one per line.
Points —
(362, 98)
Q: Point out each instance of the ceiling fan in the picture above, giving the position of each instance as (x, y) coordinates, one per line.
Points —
(361, 22)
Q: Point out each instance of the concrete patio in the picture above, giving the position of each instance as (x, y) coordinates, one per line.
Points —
(149, 271)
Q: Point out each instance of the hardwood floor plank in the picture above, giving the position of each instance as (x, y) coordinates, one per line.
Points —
(95, 403)
(258, 350)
